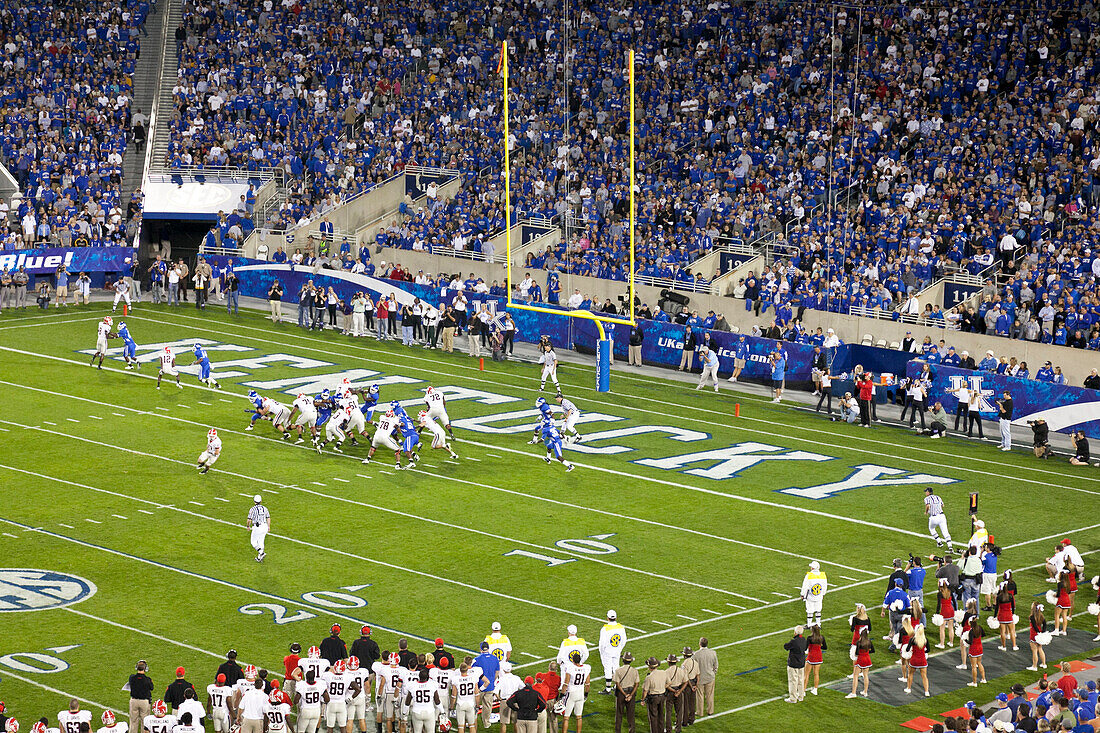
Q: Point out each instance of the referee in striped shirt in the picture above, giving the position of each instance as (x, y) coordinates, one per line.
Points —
(933, 507)
(259, 521)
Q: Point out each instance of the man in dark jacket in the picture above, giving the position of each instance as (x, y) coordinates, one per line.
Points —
(333, 648)
(365, 649)
(634, 352)
(175, 694)
(230, 668)
(440, 653)
(796, 666)
(527, 703)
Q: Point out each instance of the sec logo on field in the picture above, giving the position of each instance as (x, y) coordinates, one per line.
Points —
(38, 590)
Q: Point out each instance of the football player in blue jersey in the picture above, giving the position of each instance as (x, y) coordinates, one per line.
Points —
(370, 400)
(324, 404)
(552, 438)
(545, 413)
(129, 346)
(257, 405)
(203, 360)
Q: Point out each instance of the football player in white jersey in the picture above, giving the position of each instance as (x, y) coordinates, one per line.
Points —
(280, 416)
(277, 710)
(313, 661)
(335, 428)
(69, 720)
(122, 292)
(383, 436)
(439, 438)
(103, 332)
(437, 409)
(159, 721)
(357, 424)
(218, 697)
(309, 695)
(357, 705)
(168, 366)
(186, 724)
(213, 451)
(340, 689)
(307, 416)
(441, 675)
(464, 693)
(243, 685)
(570, 414)
(574, 685)
(391, 677)
(549, 361)
(422, 699)
(111, 725)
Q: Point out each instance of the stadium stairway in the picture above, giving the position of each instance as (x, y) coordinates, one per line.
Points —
(164, 75)
(943, 677)
(148, 76)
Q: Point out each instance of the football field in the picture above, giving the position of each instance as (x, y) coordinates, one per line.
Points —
(684, 519)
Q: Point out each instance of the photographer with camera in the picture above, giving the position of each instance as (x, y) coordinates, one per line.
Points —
(1080, 455)
(989, 555)
(970, 571)
(1041, 434)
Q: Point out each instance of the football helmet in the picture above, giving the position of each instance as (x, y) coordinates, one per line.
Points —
(121, 325)
(314, 652)
(108, 719)
(168, 350)
(253, 394)
(334, 629)
(540, 402)
(353, 664)
(160, 708)
(295, 648)
(250, 671)
(389, 413)
(340, 667)
(108, 320)
(38, 727)
(422, 415)
(276, 696)
(444, 724)
(325, 394)
(212, 433)
(394, 660)
(430, 390)
(12, 726)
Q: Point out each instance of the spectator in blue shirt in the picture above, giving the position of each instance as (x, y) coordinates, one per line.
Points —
(489, 665)
(1045, 373)
(779, 373)
(989, 363)
(915, 573)
(897, 602)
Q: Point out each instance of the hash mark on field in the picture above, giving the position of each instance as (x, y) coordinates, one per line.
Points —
(203, 403)
(95, 417)
(362, 475)
(388, 473)
(470, 458)
(662, 623)
(548, 646)
(716, 613)
(454, 463)
(494, 455)
(196, 503)
(163, 409)
(316, 483)
(5, 430)
(247, 496)
(734, 605)
(689, 618)
(186, 407)
(781, 595)
(47, 422)
(9, 534)
(341, 480)
(225, 400)
(271, 491)
(66, 526)
(218, 498)
(118, 414)
(846, 577)
(93, 521)
(144, 511)
(118, 516)
(529, 654)
(72, 419)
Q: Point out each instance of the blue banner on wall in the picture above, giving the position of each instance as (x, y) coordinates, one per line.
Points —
(44, 261)
(1065, 408)
(955, 293)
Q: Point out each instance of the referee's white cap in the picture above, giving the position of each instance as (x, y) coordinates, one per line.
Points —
(257, 498)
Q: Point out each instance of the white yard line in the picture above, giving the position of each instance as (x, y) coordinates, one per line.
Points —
(304, 543)
(679, 407)
(67, 695)
(150, 634)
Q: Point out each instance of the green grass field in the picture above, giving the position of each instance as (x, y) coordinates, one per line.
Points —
(100, 483)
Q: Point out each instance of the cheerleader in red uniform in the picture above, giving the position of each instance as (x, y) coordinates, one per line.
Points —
(861, 662)
(1006, 616)
(859, 622)
(1038, 625)
(946, 609)
(1071, 570)
(901, 641)
(814, 659)
(974, 652)
(970, 618)
(1063, 608)
(1097, 586)
(918, 659)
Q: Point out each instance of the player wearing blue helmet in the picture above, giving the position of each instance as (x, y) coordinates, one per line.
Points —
(203, 360)
(257, 408)
(552, 438)
(545, 413)
(129, 347)
(324, 404)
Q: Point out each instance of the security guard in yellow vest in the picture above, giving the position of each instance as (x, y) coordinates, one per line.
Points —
(612, 641)
(813, 590)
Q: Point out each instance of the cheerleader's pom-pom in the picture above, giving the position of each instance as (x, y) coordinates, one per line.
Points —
(1094, 609)
(937, 620)
(1015, 619)
(993, 623)
(1052, 597)
(897, 606)
(958, 630)
(852, 652)
(906, 653)
(959, 615)
(1096, 582)
(1042, 638)
(851, 619)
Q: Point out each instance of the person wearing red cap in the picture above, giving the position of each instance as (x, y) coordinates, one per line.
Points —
(3, 717)
(440, 653)
(333, 648)
(365, 649)
(174, 695)
(218, 696)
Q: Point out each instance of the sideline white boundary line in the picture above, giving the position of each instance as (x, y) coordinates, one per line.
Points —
(66, 695)
(412, 356)
(253, 435)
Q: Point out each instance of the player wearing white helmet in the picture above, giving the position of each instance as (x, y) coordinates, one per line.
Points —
(277, 710)
(341, 686)
(439, 438)
(168, 366)
(391, 678)
(103, 332)
(213, 451)
(111, 724)
(159, 721)
(307, 416)
(357, 705)
(437, 408)
(383, 436)
(241, 686)
(336, 427)
(357, 423)
(570, 415)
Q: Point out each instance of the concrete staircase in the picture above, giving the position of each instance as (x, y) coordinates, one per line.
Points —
(154, 76)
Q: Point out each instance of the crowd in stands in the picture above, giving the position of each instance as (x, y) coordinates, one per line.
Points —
(66, 91)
